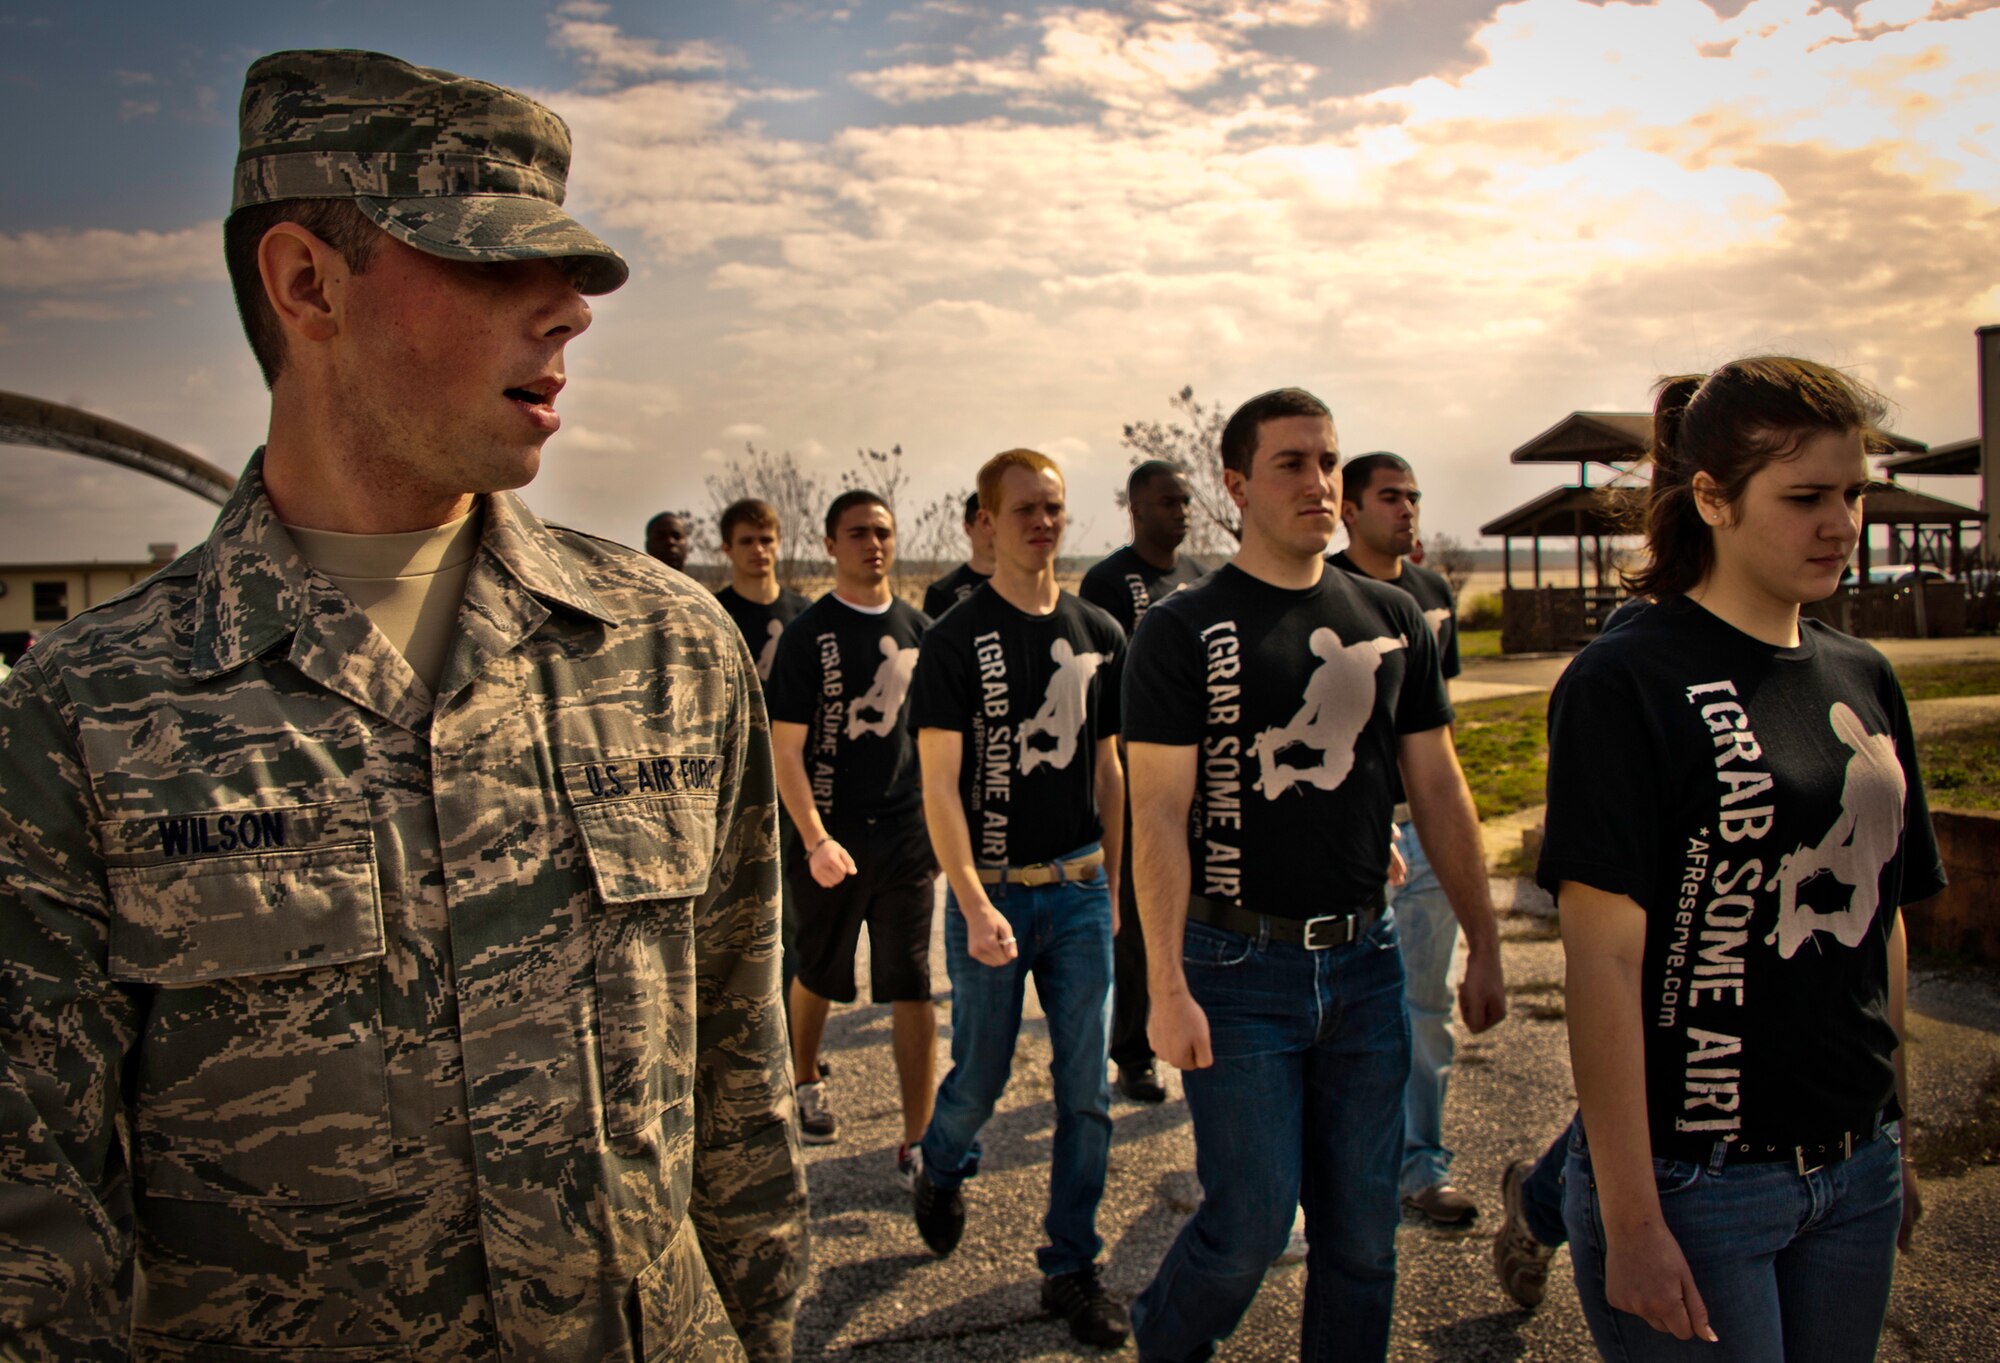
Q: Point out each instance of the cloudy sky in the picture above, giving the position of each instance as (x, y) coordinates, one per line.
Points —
(961, 227)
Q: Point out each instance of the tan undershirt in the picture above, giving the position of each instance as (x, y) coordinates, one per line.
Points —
(410, 584)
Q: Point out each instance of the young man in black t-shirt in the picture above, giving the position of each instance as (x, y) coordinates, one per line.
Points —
(1270, 711)
(759, 604)
(847, 773)
(761, 609)
(1125, 583)
(1379, 504)
(1017, 720)
(967, 577)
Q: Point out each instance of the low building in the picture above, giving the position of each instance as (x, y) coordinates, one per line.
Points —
(36, 597)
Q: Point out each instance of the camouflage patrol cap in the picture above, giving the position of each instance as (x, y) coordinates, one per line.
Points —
(459, 168)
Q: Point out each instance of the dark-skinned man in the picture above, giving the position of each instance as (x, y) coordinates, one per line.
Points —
(668, 539)
(1124, 584)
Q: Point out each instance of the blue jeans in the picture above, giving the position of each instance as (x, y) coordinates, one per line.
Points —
(1300, 1108)
(1542, 1189)
(1063, 934)
(1792, 1269)
(1428, 932)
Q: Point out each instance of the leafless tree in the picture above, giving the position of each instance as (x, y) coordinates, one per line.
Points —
(1194, 441)
(1451, 556)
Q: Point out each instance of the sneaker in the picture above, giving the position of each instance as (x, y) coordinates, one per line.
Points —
(940, 1213)
(1141, 1083)
(1521, 1261)
(1094, 1318)
(1441, 1205)
(909, 1159)
(816, 1123)
(1295, 1248)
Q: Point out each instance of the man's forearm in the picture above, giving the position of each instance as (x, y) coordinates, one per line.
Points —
(1448, 829)
(1111, 811)
(1160, 875)
(795, 791)
(951, 840)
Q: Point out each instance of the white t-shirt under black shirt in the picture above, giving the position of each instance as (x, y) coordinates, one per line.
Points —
(1763, 806)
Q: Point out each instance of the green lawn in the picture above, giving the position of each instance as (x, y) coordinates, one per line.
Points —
(1480, 643)
(1503, 746)
(1962, 767)
(1940, 681)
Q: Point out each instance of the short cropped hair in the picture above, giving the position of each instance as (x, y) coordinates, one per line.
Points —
(1146, 473)
(663, 517)
(1239, 437)
(971, 507)
(746, 511)
(994, 469)
(337, 222)
(848, 500)
(1361, 472)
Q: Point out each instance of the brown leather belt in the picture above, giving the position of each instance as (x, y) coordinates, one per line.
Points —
(1314, 934)
(1086, 868)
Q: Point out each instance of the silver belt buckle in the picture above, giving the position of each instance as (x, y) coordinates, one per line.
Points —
(1312, 925)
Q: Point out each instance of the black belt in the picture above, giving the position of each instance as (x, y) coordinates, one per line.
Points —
(1314, 934)
(1813, 1154)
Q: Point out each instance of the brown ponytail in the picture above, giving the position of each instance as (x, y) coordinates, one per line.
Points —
(1729, 424)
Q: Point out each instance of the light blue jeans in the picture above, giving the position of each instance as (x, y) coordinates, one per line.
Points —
(1299, 1109)
(1428, 931)
(1792, 1269)
(1063, 934)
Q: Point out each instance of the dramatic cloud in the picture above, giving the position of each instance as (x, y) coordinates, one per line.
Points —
(100, 259)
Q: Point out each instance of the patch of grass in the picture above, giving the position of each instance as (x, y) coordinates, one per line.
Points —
(1478, 643)
(1962, 1144)
(1942, 681)
(1961, 767)
(1503, 744)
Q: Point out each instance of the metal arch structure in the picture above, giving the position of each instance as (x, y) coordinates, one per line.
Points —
(51, 425)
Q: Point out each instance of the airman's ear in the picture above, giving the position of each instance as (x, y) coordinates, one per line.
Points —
(303, 278)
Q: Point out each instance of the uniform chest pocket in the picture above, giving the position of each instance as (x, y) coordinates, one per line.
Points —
(260, 1073)
(650, 860)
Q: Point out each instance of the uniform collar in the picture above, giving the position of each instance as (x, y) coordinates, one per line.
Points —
(256, 589)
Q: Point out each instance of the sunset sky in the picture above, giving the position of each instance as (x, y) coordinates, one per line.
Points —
(964, 228)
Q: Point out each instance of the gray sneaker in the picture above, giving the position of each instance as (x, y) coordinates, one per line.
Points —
(1520, 1260)
(816, 1123)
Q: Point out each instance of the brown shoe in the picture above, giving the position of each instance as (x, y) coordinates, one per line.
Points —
(1442, 1205)
(1520, 1260)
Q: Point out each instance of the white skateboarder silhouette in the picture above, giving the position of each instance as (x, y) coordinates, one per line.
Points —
(769, 653)
(1860, 843)
(1061, 715)
(1339, 695)
(1435, 618)
(884, 696)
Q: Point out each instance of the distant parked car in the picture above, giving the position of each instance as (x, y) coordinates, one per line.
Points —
(1902, 574)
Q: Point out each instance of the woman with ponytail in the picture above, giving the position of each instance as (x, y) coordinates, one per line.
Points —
(1735, 819)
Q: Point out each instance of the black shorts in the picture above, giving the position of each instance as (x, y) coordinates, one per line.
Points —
(891, 892)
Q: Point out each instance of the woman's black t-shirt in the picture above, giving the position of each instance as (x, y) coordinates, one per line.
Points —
(1296, 699)
(845, 674)
(1033, 695)
(1763, 806)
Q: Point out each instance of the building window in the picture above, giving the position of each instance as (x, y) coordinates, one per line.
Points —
(51, 602)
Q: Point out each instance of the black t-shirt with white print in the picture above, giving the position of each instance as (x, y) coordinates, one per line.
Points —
(951, 589)
(1296, 699)
(1125, 585)
(1762, 806)
(1033, 695)
(845, 674)
(1433, 597)
(762, 624)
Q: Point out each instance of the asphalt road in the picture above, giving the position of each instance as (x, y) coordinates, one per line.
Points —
(878, 1294)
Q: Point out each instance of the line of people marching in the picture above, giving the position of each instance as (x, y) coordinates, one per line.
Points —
(388, 884)
(1283, 731)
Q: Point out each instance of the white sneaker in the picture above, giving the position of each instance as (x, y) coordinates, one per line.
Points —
(909, 1159)
(816, 1122)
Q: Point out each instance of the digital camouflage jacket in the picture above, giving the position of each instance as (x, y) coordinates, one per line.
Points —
(345, 1022)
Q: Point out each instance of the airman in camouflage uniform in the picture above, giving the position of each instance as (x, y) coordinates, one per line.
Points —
(345, 1019)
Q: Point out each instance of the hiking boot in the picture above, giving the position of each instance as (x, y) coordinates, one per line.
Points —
(909, 1159)
(816, 1123)
(1094, 1318)
(1141, 1083)
(1441, 1205)
(940, 1213)
(1520, 1260)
